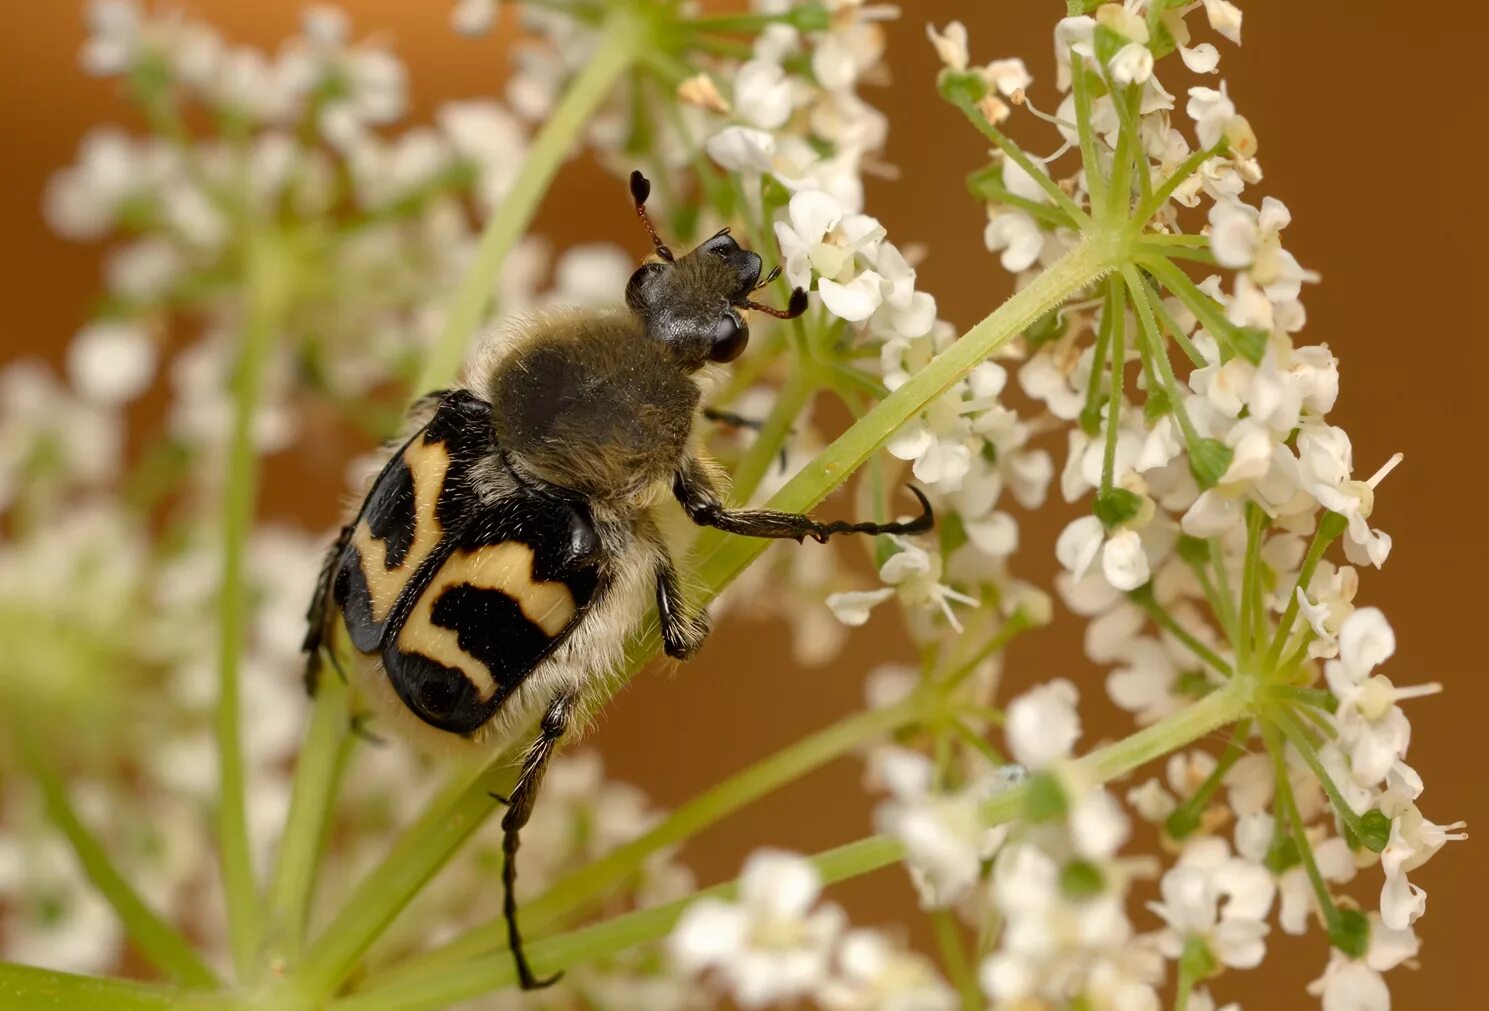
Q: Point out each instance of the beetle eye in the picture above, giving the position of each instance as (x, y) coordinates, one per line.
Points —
(730, 335)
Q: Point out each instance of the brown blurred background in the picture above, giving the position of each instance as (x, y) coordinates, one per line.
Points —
(1371, 124)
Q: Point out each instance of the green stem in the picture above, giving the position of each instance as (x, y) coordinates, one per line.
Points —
(1015, 153)
(1227, 610)
(1298, 737)
(596, 879)
(1017, 623)
(156, 939)
(988, 189)
(1118, 378)
(590, 943)
(1171, 326)
(1250, 584)
(269, 279)
(464, 802)
(1186, 817)
(27, 988)
(954, 959)
(1199, 303)
(624, 37)
(1165, 189)
(1119, 196)
(1144, 597)
(1157, 352)
(1330, 526)
(317, 780)
(460, 808)
(430, 991)
(1289, 807)
(1099, 352)
(1095, 181)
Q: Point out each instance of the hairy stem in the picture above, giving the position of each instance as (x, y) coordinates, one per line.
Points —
(624, 38)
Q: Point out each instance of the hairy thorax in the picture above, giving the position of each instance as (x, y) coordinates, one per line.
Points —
(588, 402)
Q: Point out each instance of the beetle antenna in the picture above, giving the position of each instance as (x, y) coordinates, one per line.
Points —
(794, 308)
(640, 190)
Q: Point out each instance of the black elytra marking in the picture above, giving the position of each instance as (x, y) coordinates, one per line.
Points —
(504, 585)
(390, 513)
(456, 437)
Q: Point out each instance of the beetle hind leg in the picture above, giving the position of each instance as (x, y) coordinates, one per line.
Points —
(519, 805)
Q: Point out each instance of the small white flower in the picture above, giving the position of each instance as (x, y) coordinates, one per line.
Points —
(473, 17)
(771, 945)
(744, 149)
(111, 363)
(1042, 725)
(1372, 727)
(945, 836)
(855, 301)
(1124, 562)
(1017, 236)
(950, 43)
(1225, 18)
(1193, 891)
(875, 975)
(1132, 64)
(762, 94)
(1212, 112)
(1350, 985)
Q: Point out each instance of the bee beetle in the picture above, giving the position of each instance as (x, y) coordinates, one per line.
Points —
(508, 547)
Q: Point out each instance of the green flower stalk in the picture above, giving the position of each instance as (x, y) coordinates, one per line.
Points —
(328, 262)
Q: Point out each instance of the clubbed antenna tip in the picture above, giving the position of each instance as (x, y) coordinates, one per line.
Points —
(640, 187)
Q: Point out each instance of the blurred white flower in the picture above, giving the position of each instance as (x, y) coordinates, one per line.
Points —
(771, 945)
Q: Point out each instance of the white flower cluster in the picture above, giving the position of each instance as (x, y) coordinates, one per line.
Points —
(380, 227)
(110, 563)
(778, 945)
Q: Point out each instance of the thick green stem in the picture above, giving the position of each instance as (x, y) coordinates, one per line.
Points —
(624, 37)
(317, 779)
(954, 959)
(596, 879)
(452, 816)
(156, 939)
(437, 990)
(27, 988)
(269, 279)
